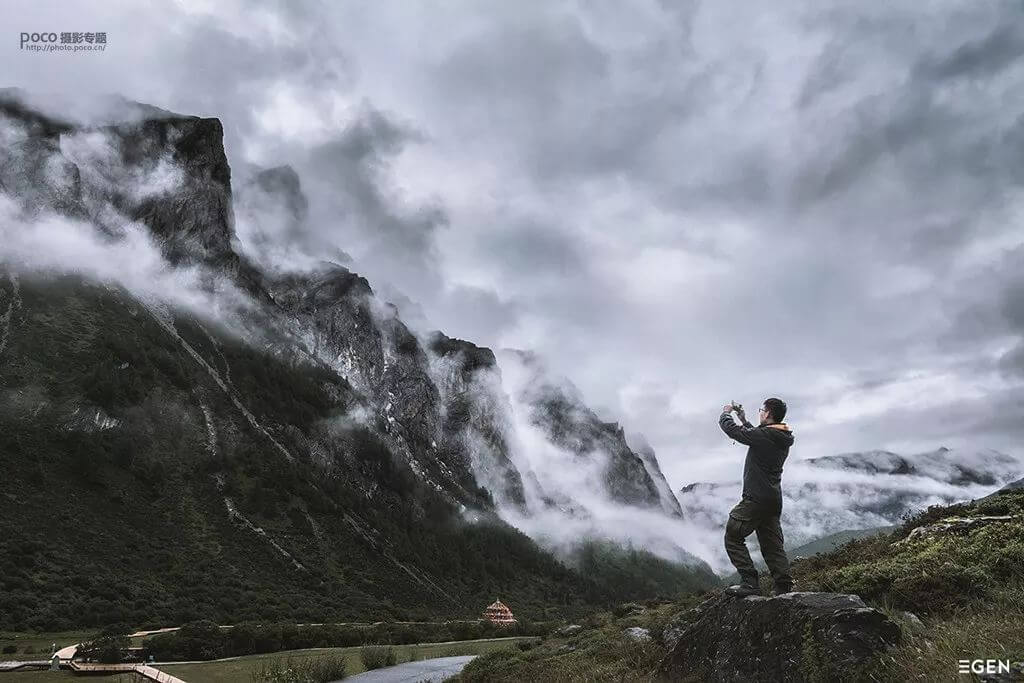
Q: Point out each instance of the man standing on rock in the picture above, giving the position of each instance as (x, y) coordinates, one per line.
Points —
(761, 504)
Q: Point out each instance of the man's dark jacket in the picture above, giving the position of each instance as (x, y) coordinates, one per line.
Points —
(762, 471)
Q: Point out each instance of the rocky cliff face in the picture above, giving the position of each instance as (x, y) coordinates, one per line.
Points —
(335, 315)
(170, 173)
(647, 456)
(166, 171)
(475, 413)
(555, 406)
(438, 403)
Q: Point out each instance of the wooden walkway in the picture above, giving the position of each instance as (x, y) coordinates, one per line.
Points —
(143, 670)
(14, 666)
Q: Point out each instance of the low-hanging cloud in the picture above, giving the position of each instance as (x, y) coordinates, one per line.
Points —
(57, 244)
(709, 202)
(58, 214)
(853, 491)
(567, 495)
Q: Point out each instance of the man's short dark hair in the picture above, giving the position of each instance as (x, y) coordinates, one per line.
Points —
(777, 408)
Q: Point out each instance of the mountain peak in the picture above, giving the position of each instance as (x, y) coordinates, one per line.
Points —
(165, 170)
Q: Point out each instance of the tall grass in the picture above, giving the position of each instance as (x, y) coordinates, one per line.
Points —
(377, 656)
(299, 669)
(990, 631)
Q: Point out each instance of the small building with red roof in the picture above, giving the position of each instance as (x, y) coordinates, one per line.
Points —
(499, 613)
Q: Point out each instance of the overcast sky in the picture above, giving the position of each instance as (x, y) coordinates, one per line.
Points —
(676, 204)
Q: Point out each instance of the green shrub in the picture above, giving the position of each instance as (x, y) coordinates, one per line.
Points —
(479, 667)
(943, 586)
(105, 649)
(377, 656)
(627, 608)
(525, 645)
(299, 670)
(326, 669)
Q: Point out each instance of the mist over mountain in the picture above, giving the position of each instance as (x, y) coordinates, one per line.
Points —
(863, 490)
(132, 216)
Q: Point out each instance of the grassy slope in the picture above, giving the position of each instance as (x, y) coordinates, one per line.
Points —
(968, 591)
(833, 541)
(815, 547)
(128, 524)
(934, 573)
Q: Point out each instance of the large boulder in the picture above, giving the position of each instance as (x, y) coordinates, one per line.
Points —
(792, 637)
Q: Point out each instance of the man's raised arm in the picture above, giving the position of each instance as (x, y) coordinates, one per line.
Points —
(743, 418)
(744, 434)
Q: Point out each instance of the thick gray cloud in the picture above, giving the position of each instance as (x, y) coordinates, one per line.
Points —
(676, 204)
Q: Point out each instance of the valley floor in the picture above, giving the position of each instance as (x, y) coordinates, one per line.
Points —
(452, 655)
(242, 668)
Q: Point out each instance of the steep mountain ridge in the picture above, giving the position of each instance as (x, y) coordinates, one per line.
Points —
(332, 310)
(312, 421)
(941, 464)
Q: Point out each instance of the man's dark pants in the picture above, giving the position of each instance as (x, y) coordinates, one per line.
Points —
(746, 518)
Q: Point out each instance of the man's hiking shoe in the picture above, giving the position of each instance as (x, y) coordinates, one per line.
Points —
(782, 590)
(742, 590)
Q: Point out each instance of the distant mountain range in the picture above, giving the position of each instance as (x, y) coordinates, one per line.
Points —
(862, 490)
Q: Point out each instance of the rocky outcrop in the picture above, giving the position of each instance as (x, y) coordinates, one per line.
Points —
(164, 170)
(638, 634)
(793, 637)
(956, 525)
(170, 173)
(647, 456)
(475, 410)
(193, 217)
(334, 313)
(33, 171)
(558, 408)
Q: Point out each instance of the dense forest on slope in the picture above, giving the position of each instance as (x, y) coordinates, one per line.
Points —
(137, 491)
